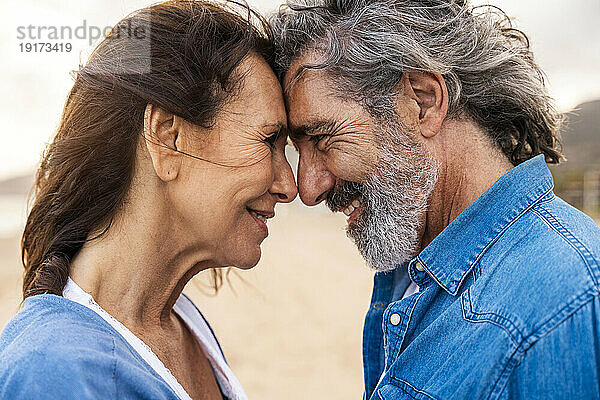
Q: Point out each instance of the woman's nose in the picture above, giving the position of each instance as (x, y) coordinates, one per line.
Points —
(284, 186)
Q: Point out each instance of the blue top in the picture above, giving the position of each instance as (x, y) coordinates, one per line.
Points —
(55, 348)
(507, 308)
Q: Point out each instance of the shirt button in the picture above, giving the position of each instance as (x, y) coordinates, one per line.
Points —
(395, 319)
(419, 267)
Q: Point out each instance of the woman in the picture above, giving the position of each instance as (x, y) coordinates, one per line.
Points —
(168, 160)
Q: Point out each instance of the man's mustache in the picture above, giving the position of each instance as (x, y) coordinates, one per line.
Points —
(342, 195)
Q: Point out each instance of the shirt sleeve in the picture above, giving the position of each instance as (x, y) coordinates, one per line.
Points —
(564, 363)
(53, 374)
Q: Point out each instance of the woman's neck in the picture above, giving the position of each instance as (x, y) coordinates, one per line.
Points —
(137, 274)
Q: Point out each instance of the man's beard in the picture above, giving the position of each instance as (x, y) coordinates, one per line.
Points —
(394, 199)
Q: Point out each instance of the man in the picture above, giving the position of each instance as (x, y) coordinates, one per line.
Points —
(428, 124)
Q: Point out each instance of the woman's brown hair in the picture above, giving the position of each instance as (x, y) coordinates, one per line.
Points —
(179, 55)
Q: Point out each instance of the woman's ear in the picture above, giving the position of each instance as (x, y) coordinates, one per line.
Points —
(161, 133)
(430, 94)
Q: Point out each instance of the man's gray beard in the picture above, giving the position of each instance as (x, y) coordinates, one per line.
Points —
(395, 199)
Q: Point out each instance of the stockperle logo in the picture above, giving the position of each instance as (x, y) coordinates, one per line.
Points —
(91, 33)
(62, 39)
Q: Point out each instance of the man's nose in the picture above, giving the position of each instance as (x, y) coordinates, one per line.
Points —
(314, 180)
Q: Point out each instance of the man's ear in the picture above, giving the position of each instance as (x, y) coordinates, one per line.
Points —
(430, 93)
(161, 131)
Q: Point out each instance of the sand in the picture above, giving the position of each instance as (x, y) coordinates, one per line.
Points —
(292, 328)
(10, 278)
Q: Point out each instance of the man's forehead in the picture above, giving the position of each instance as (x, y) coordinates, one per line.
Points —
(309, 83)
(311, 98)
(293, 72)
(302, 102)
(313, 103)
(302, 80)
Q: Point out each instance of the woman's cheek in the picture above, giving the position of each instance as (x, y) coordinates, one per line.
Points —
(250, 154)
(252, 181)
(267, 174)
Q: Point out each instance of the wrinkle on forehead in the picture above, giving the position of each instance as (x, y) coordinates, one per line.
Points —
(237, 138)
(260, 94)
(300, 68)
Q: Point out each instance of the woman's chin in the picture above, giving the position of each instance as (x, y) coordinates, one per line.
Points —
(248, 260)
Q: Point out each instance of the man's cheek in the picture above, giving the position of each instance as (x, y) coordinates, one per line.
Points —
(350, 167)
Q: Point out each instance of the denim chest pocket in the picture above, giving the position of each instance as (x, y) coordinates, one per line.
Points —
(460, 354)
(478, 310)
(400, 389)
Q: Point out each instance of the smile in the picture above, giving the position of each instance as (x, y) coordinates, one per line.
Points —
(353, 206)
(257, 215)
(261, 218)
(353, 210)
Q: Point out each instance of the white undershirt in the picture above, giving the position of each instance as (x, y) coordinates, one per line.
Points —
(229, 384)
(411, 289)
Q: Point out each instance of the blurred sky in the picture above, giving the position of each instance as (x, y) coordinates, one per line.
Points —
(565, 37)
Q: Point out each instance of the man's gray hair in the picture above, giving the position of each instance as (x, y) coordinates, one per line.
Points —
(366, 45)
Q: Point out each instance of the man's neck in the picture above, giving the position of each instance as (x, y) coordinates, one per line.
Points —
(467, 168)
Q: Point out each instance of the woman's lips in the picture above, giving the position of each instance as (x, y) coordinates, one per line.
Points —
(261, 219)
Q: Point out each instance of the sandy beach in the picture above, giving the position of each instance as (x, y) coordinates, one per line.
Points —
(291, 327)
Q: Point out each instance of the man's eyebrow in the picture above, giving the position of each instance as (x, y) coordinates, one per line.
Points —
(313, 128)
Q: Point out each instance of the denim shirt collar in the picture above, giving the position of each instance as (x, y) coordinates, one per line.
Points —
(450, 257)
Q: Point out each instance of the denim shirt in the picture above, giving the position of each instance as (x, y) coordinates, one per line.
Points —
(507, 308)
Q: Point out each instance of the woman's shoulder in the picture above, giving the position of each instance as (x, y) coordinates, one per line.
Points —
(55, 322)
(57, 348)
(50, 346)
